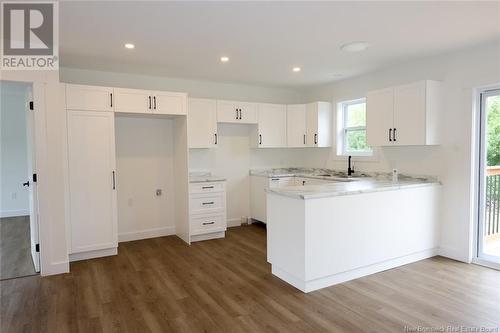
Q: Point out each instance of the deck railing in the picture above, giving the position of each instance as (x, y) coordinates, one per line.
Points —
(492, 224)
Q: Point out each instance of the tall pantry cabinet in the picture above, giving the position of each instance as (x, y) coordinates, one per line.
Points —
(92, 172)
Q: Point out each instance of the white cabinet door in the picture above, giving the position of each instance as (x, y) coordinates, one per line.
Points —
(165, 102)
(227, 112)
(248, 113)
(90, 98)
(271, 126)
(296, 125)
(380, 117)
(319, 122)
(133, 100)
(91, 155)
(202, 123)
(409, 114)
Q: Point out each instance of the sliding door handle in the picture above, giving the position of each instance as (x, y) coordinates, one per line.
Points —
(390, 134)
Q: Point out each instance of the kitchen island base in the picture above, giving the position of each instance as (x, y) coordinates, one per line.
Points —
(316, 243)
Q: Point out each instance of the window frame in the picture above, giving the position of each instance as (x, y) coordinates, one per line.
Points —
(346, 129)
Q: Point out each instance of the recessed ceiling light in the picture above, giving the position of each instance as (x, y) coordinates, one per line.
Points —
(224, 59)
(129, 45)
(355, 46)
(296, 69)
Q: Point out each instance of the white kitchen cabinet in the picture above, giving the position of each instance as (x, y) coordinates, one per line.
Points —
(207, 210)
(149, 102)
(404, 115)
(133, 100)
(236, 112)
(171, 103)
(202, 123)
(319, 123)
(296, 125)
(92, 184)
(89, 98)
(258, 187)
(270, 131)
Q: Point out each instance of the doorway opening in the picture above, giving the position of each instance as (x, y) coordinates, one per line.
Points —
(19, 232)
(488, 229)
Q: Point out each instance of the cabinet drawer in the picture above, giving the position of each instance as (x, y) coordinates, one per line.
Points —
(201, 204)
(207, 224)
(206, 187)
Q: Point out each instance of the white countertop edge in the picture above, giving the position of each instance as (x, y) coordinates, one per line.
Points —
(344, 193)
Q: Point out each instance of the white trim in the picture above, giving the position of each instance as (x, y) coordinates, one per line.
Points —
(236, 222)
(145, 234)
(14, 213)
(486, 263)
(312, 285)
(212, 235)
(53, 268)
(93, 254)
(452, 253)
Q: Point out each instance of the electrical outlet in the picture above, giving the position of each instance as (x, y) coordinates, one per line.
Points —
(158, 192)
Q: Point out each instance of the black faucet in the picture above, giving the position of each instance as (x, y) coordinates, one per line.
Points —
(350, 169)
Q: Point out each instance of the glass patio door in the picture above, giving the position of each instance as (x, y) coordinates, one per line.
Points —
(489, 196)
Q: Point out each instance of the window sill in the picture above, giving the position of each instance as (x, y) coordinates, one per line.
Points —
(374, 157)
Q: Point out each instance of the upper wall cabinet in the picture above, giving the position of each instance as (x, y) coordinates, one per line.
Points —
(296, 131)
(404, 115)
(202, 123)
(270, 131)
(319, 123)
(89, 98)
(145, 101)
(236, 112)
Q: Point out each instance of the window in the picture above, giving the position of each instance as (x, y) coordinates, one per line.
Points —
(353, 128)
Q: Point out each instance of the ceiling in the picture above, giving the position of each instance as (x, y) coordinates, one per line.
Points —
(264, 40)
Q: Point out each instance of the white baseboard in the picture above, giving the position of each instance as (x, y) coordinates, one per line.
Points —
(93, 254)
(330, 280)
(452, 253)
(14, 213)
(145, 234)
(54, 268)
(236, 222)
(213, 235)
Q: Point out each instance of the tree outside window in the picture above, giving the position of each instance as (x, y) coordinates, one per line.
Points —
(354, 128)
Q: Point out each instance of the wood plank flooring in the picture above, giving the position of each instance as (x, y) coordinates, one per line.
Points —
(15, 247)
(162, 285)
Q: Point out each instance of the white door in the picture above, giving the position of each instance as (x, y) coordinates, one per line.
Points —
(132, 101)
(296, 125)
(92, 182)
(379, 117)
(32, 184)
(227, 112)
(165, 102)
(311, 125)
(409, 114)
(272, 125)
(90, 98)
(248, 113)
(202, 123)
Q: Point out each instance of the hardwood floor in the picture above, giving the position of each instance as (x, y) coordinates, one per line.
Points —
(15, 250)
(162, 285)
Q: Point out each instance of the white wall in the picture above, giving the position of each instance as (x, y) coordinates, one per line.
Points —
(144, 159)
(460, 72)
(13, 150)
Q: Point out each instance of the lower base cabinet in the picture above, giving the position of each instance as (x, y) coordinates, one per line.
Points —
(207, 210)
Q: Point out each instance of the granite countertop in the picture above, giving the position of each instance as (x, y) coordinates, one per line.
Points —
(204, 177)
(340, 184)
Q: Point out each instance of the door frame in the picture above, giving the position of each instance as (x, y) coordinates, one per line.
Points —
(478, 179)
(44, 85)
